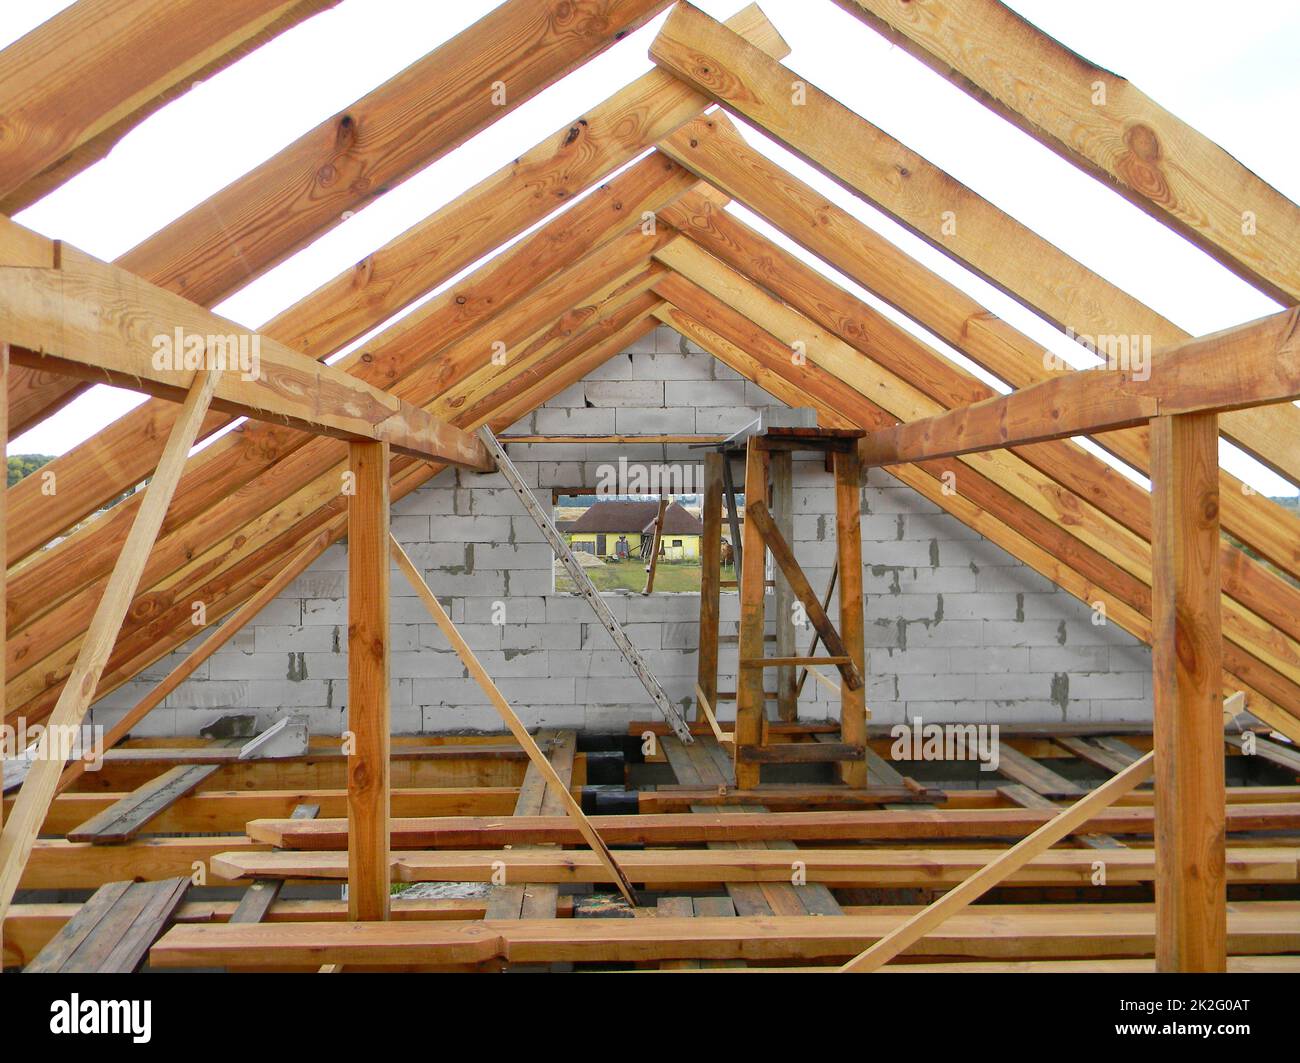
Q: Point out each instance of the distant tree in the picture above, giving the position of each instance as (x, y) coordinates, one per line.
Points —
(21, 465)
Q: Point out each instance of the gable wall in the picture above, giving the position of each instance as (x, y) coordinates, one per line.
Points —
(957, 630)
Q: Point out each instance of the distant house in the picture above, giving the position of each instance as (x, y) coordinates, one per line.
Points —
(597, 531)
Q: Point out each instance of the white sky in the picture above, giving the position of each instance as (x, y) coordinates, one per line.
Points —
(1237, 80)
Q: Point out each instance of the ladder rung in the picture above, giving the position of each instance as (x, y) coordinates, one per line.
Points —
(782, 662)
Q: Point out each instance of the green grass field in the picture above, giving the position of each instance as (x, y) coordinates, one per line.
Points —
(670, 577)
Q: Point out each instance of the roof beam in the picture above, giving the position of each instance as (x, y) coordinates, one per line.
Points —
(99, 321)
(1106, 127)
(874, 166)
(55, 128)
(1252, 364)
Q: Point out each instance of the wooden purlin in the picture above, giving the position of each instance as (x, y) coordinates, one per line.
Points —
(582, 582)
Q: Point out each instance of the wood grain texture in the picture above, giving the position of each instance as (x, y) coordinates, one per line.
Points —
(369, 654)
(54, 128)
(1191, 896)
(1107, 127)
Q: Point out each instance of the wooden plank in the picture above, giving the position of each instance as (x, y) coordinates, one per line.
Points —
(476, 670)
(710, 590)
(113, 931)
(1000, 870)
(799, 753)
(1191, 895)
(1096, 754)
(751, 709)
(848, 546)
(584, 585)
(1037, 776)
(260, 897)
(34, 798)
(758, 515)
(913, 821)
(1023, 796)
(975, 934)
(535, 900)
(1250, 365)
(57, 128)
(655, 540)
(52, 319)
(1108, 128)
(907, 867)
(369, 721)
(127, 817)
(1274, 753)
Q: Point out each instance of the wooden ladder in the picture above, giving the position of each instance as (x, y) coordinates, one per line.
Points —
(585, 587)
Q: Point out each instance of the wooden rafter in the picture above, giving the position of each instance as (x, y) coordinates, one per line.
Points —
(1107, 127)
(55, 128)
(869, 163)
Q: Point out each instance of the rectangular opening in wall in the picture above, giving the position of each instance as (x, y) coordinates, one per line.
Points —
(612, 537)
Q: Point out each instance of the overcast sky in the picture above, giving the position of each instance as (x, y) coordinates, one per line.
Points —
(1237, 80)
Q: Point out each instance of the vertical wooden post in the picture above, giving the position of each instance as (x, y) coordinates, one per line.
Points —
(656, 539)
(4, 578)
(368, 713)
(710, 582)
(848, 544)
(787, 701)
(1187, 658)
(751, 707)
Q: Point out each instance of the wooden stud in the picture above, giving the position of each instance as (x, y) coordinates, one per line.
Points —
(369, 723)
(1191, 898)
(655, 540)
(787, 700)
(710, 583)
(751, 710)
(848, 544)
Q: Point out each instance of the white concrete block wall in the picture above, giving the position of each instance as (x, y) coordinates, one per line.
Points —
(956, 628)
